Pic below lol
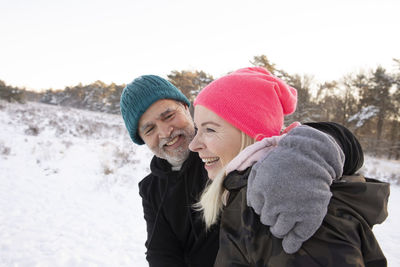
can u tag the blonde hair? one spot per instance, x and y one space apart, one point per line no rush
210 203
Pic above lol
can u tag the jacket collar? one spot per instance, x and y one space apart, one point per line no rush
236 179
162 168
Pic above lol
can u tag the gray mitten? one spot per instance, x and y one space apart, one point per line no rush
290 187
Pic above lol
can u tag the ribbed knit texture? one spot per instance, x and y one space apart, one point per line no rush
354 156
139 95
251 99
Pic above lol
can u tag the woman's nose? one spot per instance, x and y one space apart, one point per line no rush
196 144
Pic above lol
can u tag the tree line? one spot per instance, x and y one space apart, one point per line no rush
368 103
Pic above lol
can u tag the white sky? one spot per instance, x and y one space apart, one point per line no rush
57 43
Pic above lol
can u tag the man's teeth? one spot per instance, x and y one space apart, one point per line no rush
173 141
209 161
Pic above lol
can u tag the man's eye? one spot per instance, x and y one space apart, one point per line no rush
169 116
209 130
149 131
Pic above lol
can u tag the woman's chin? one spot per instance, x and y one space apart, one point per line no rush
213 172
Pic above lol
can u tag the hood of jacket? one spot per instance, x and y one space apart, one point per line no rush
363 196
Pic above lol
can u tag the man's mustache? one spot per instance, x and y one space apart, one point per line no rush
170 138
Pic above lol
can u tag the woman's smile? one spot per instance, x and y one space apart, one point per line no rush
216 141
210 161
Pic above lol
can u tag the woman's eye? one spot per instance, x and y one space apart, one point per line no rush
209 130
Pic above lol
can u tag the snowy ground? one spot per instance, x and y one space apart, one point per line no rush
69 196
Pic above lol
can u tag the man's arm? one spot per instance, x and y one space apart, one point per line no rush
290 187
163 247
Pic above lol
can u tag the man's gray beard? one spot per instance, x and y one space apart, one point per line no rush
179 155
179 159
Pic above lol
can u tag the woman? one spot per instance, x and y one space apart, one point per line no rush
247 105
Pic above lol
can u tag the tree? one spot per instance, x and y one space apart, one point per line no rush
378 104
262 61
306 109
189 82
364 113
328 101
113 97
378 95
350 103
10 93
395 133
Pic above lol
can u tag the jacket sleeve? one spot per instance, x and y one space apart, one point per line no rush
342 241
290 187
163 247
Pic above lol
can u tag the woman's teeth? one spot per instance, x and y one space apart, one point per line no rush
173 141
209 161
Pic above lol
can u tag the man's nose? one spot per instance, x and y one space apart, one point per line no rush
165 130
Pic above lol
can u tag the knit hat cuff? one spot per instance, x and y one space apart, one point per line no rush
246 123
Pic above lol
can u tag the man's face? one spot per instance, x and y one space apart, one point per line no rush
167 129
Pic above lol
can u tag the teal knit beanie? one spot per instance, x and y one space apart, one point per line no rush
139 95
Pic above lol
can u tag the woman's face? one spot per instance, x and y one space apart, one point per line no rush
216 140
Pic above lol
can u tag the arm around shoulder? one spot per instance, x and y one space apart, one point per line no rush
290 187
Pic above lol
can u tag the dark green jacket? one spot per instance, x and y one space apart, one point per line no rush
344 239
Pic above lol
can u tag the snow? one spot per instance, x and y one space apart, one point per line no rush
364 115
384 169
69 195
388 233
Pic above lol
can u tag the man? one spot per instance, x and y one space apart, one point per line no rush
157 114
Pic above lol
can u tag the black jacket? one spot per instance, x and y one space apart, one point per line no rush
345 237
176 235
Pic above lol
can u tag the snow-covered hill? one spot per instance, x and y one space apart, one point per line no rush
69 196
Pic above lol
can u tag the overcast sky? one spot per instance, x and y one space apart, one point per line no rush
57 43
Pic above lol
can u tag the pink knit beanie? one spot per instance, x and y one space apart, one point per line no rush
251 99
